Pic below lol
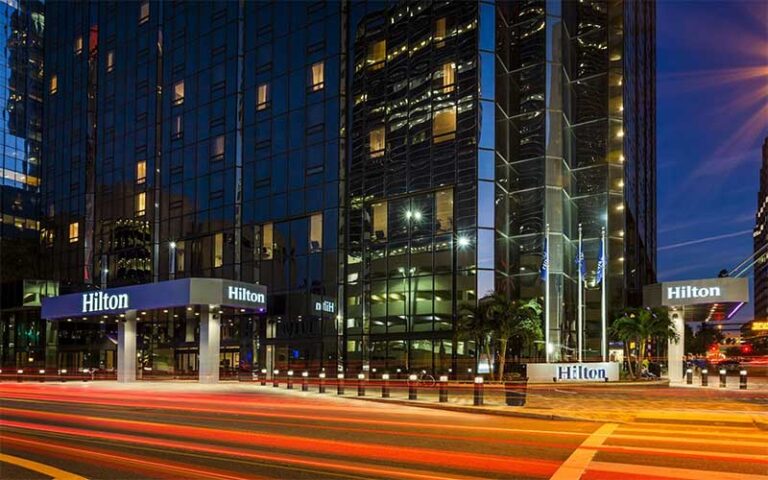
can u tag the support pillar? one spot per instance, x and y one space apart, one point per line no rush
210 343
126 348
676 351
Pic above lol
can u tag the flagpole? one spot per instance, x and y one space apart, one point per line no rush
580 326
603 322
546 298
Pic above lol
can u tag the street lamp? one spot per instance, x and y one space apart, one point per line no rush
172 260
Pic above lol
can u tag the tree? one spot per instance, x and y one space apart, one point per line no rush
641 325
474 324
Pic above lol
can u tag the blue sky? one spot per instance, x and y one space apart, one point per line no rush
712 97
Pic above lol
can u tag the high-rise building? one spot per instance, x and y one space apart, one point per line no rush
761 242
21 103
395 159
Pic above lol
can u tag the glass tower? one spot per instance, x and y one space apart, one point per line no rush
761 242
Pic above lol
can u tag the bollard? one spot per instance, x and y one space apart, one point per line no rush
478 396
19 374
743 380
321 383
360 384
63 374
289 380
413 394
42 375
385 385
723 374
275 381
340 384
304 384
85 374
263 377
704 377
689 376
1 374
443 389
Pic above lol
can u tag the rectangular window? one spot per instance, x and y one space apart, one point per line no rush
217 148
178 92
263 96
180 250
377 142
377 53
218 250
144 12
440 31
448 77
141 204
74 232
317 76
53 85
444 125
444 211
316 233
379 220
110 61
141 171
267 242
78 45
177 129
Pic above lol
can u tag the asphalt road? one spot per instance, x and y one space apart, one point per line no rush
190 431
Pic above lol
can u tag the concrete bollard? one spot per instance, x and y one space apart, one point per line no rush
413 393
689 376
360 384
19 375
304 384
42 375
385 385
321 383
275 380
289 380
443 389
263 379
723 376
340 384
478 394
704 377
743 380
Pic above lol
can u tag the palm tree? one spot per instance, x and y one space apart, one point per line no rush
474 323
641 325
514 320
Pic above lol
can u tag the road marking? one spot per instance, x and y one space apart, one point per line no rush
53 472
575 466
670 472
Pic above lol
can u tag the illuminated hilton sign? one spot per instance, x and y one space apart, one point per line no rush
242 294
688 291
99 301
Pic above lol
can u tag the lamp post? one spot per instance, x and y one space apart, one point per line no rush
172 260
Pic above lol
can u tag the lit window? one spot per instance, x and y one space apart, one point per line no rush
316 233
74 232
377 53
440 29
263 96
178 92
144 12
180 249
218 250
317 76
53 85
78 45
46 236
444 211
177 129
444 125
141 171
377 141
447 77
379 220
141 204
266 242
110 61
217 147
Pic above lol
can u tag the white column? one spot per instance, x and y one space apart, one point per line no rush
126 348
675 351
210 342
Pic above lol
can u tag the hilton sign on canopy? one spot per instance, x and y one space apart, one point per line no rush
696 292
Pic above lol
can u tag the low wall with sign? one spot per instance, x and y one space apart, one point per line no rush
573 372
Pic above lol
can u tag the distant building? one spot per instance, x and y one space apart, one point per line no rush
761 242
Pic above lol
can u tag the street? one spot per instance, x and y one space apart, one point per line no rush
184 430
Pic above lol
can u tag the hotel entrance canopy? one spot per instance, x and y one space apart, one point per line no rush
701 300
149 296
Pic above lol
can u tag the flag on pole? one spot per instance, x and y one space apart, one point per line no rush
601 263
580 263
545 261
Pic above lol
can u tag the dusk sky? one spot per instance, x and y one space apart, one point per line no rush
712 119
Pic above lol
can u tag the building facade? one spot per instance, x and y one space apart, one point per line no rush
761 242
389 161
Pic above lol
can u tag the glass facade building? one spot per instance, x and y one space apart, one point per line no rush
760 236
394 160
